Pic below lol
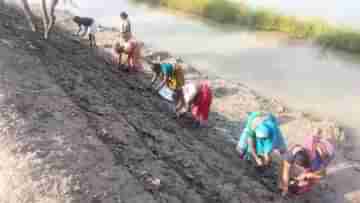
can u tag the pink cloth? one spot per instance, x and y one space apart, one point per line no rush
133 49
312 140
309 145
114 57
299 190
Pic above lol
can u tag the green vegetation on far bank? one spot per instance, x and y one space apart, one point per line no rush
224 11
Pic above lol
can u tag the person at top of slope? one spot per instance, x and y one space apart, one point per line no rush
89 28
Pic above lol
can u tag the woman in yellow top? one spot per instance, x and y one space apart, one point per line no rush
169 74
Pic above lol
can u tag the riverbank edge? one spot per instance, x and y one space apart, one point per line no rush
266 19
106 38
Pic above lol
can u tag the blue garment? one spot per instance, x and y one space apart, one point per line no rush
274 140
316 163
265 145
262 131
249 122
167 69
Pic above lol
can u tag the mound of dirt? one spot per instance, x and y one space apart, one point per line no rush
75 129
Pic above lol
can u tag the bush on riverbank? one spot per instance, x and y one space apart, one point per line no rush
224 11
345 39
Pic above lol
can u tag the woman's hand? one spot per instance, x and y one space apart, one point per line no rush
258 161
301 177
284 178
187 107
162 84
304 176
284 191
153 79
180 113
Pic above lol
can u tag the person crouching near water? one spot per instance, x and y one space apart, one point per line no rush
131 48
197 98
170 74
261 137
303 166
89 28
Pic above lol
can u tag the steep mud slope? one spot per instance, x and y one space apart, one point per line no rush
75 129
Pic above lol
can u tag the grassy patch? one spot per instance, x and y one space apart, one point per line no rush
341 38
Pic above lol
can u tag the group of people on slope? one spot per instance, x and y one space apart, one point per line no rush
193 97
128 45
302 166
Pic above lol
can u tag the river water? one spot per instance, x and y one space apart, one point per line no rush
300 74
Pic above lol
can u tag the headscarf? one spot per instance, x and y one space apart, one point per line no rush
326 146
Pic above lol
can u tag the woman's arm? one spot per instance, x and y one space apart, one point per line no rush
85 30
162 83
192 98
127 49
120 53
187 105
180 103
252 144
317 175
79 30
155 76
284 176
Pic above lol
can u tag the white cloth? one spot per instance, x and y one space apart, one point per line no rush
189 91
125 26
92 29
166 93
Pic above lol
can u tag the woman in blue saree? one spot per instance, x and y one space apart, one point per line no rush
260 137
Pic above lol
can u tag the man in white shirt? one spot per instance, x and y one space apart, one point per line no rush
125 28
89 26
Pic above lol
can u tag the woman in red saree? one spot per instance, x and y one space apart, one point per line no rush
198 98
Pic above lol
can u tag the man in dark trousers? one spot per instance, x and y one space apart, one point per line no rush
89 28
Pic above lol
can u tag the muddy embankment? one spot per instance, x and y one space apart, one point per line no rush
75 129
